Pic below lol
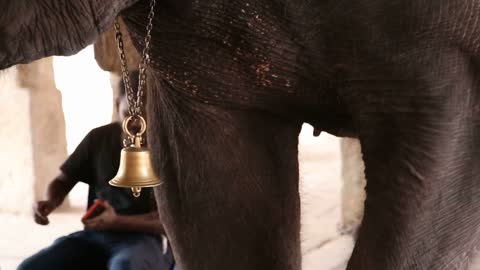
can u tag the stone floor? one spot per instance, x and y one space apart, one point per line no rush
323 247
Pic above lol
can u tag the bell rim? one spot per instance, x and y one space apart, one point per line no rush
115 184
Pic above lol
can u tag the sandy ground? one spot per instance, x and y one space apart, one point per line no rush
323 248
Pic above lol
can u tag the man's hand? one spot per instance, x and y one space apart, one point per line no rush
105 221
56 192
41 210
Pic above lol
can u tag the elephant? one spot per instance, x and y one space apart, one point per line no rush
230 84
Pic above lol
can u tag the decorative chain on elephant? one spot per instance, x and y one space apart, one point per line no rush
230 84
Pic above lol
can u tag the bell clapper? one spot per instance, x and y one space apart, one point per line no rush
136 191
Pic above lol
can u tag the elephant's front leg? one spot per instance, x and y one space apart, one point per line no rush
422 158
230 198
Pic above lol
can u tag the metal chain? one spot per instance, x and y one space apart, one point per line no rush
125 74
135 101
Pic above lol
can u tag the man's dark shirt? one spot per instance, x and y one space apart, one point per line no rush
95 162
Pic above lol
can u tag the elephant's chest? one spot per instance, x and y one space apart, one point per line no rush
242 56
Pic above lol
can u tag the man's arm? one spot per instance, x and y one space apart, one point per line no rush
59 189
149 223
110 220
56 192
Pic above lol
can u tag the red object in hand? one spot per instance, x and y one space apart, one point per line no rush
96 209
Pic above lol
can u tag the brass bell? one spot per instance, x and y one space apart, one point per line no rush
135 170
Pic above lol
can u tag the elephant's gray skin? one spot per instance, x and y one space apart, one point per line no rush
230 84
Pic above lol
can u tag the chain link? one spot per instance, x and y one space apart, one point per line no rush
135 101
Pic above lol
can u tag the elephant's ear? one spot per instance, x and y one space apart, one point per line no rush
30 30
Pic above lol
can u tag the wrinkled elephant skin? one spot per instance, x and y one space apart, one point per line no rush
230 84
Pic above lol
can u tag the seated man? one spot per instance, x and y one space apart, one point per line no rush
126 235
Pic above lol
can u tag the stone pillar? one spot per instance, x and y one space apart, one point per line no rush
32 137
353 189
16 158
47 122
115 81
